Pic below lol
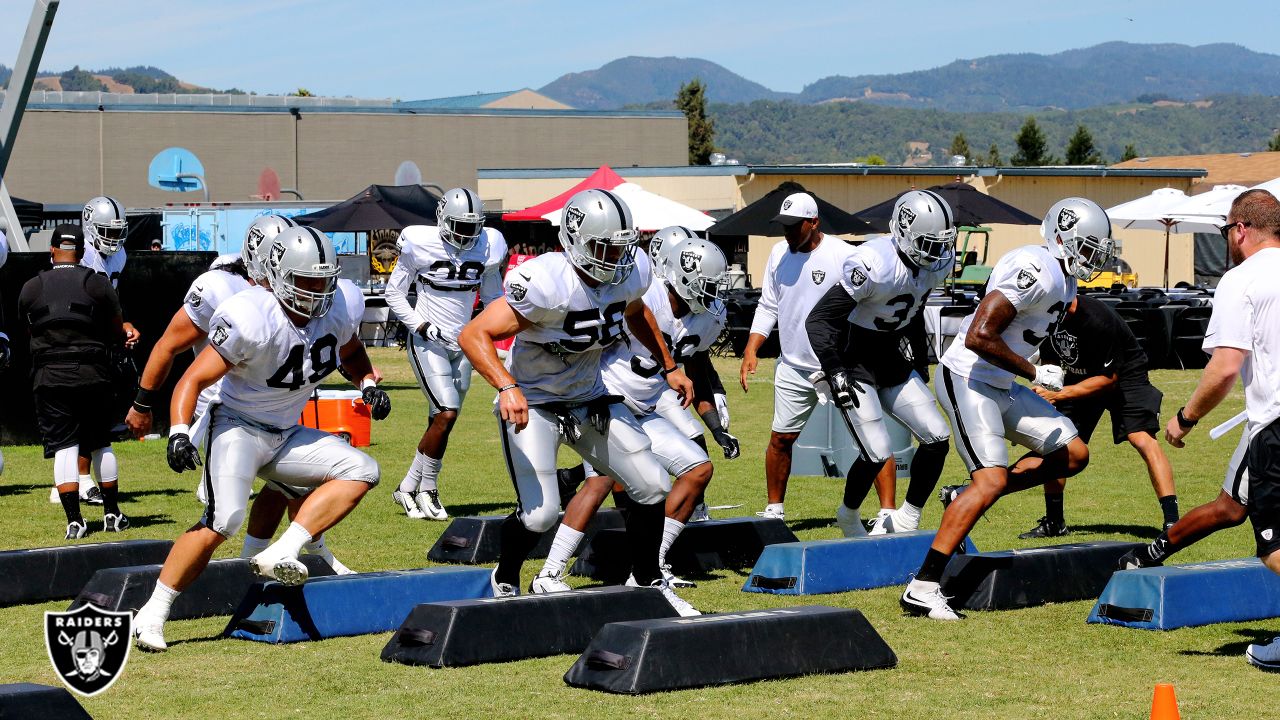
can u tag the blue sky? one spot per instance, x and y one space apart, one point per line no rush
409 49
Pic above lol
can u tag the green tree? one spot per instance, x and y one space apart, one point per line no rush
302 92
872 159
77 79
1080 149
1129 153
1274 145
959 146
993 156
1032 146
691 99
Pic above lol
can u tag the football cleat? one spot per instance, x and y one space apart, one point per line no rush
892 522
1264 657
849 522
1136 559
546 582
92 496
926 599
772 514
149 634
674 580
501 590
76 529
948 493
1046 528
700 513
288 571
679 604
115 522
406 503
428 502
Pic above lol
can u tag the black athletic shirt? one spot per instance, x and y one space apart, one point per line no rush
1095 340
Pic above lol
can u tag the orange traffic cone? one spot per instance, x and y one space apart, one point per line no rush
1164 706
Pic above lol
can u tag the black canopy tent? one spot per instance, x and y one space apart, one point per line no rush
757 218
377 207
970 206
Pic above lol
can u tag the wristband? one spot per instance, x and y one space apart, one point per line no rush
179 429
368 383
1183 422
505 388
145 399
667 371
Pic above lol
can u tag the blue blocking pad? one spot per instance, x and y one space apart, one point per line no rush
340 605
829 566
1165 598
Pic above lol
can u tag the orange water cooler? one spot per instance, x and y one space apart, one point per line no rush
340 412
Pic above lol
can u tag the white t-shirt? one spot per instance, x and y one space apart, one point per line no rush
793 284
446 278
1036 286
558 358
631 371
888 291
111 265
276 363
1246 316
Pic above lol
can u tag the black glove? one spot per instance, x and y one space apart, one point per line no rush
378 401
727 442
844 389
599 416
182 454
5 354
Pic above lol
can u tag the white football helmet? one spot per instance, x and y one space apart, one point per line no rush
1078 232
599 236
104 224
666 237
460 217
696 270
925 229
257 239
301 254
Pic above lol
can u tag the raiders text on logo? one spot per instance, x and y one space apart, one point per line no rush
1026 279
857 277
518 291
1067 219
220 335
818 276
573 217
690 261
1067 347
88 646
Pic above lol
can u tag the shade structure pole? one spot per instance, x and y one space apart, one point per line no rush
15 103
1166 255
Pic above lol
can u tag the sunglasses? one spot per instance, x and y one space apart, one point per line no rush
1226 229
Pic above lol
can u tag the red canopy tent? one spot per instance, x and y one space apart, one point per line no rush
602 179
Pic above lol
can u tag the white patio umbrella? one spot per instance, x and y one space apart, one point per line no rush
1210 207
1157 212
651 211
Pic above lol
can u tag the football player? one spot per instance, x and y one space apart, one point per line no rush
685 298
564 310
271 349
799 272
858 331
447 265
1027 295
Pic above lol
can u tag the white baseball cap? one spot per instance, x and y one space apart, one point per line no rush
798 206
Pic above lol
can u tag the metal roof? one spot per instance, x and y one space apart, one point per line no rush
634 171
1052 171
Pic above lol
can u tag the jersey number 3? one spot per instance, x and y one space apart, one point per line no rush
324 360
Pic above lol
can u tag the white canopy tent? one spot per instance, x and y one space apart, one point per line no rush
651 211
1210 207
1158 211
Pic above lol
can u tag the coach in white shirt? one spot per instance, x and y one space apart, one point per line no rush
1244 337
800 270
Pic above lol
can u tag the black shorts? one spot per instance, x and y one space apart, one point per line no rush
1134 407
1263 459
67 416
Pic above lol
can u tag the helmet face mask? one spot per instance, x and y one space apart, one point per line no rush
460 218
697 272
1078 232
105 225
598 236
924 229
303 270
257 240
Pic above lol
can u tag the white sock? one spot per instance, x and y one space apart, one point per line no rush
161 601
670 531
562 547
882 512
86 484
253 545
430 477
910 512
410 481
103 461
774 507
317 547
290 542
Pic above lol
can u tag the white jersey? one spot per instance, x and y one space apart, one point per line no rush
1246 316
889 292
445 277
352 296
1033 281
111 265
206 295
793 284
277 364
631 371
558 359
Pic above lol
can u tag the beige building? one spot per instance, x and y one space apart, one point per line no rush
1248 169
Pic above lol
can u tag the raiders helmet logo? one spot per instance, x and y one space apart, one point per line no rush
690 261
87 215
518 291
857 277
906 218
573 217
786 204
1026 279
219 335
1067 219
277 254
88 646
818 276
254 239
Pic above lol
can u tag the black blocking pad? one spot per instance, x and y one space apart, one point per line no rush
58 573
1010 579
218 590
702 546
28 700
470 632
475 540
654 655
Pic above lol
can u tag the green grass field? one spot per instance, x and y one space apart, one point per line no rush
1037 663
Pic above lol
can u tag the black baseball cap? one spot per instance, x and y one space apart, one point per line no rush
67 237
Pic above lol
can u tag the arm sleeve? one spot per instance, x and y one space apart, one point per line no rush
917 338
398 288
828 327
700 371
766 316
